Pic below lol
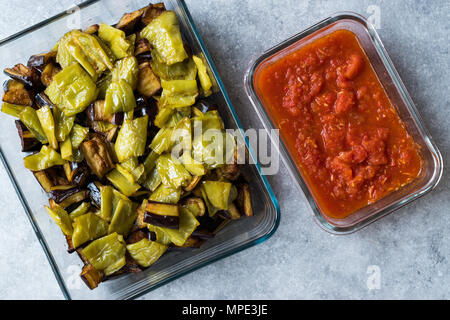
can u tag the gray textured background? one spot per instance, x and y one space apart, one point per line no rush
410 247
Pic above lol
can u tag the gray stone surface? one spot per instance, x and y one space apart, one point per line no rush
410 247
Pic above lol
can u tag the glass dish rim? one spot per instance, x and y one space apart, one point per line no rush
400 87
267 186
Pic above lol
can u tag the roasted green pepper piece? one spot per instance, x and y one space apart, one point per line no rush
63 124
172 172
134 168
78 135
214 148
72 90
218 193
166 194
164 35
106 202
106 254
103 85
188 224
116 40
146 252
185 70
205 81
66 149
210 120
30 119
61 218
163 116
45 159
161 237
119 97
149 164
178 93
131 139
88 227
95 52
48 125
153 181
126 69
87 50
12 109
80 210
123 218
194 167
162 141
122 183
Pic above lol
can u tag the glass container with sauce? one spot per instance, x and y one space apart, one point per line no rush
350 134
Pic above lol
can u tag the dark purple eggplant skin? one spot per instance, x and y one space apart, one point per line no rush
170 222
203 234
117 118
90 112
30 77
140 234
42 100
94 193
29 144
81 172
144 57
39 61
60 195
209 223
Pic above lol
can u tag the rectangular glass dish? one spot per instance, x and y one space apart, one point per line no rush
66 267
396 92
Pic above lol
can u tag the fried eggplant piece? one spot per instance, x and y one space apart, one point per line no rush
138 235
195 205
93 29
193 184
129 21
142 46
27 139
228 172
98 157
76 172
70 247
139 223
48 73
244 201
96 112
23 74
151 12
43 100
191 243
15 93
51 178
148 83
95 193
91 276
39 61
162 215
62 194
73 199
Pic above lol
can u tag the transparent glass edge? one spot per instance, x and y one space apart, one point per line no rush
388 64
215 73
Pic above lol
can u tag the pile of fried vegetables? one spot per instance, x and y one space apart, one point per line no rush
101 115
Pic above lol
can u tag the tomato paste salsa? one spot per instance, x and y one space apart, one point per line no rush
338 124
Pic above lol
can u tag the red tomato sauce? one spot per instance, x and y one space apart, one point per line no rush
338 124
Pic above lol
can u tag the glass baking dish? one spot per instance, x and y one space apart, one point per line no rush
369 40
66 267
